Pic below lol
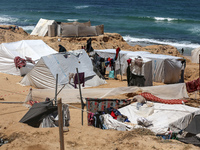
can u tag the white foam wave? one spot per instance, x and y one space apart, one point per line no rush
181 44
195 30
7 19
72 20
81 7
26 28
164 19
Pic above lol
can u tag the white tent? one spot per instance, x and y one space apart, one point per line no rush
34 49
43 75
41 29
195 55
165 68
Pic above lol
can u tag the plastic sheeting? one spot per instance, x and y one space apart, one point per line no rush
34 49
173 91
164 118
43 75
195 55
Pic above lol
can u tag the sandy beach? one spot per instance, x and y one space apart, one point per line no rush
22 136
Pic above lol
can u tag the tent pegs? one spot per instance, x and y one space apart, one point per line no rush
82 104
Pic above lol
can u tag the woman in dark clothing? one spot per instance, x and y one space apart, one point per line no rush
61 49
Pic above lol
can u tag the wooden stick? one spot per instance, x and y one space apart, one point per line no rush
60 122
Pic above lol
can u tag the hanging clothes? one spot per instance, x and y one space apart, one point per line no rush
81 79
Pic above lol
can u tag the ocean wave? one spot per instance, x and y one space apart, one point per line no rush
7 19
72 20
164 19
177 44
195 30
27 28
82 7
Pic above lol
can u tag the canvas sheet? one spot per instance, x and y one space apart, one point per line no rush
164 117
174 91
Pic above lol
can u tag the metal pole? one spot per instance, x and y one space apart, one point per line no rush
60 121
56 89
120 67
79 86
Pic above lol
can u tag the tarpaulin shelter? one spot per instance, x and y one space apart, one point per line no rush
34 49
43 75
37 113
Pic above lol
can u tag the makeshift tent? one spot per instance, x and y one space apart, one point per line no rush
41 29
37 113
165 118
34 49
195 55
43 75
165 68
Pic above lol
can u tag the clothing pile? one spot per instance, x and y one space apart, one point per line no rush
100 119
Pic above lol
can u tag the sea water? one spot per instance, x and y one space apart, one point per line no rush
142 22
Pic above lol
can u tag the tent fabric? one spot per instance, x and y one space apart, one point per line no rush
41 29
165 117
69 30
34 49
43 75
77 23
171 91
195 55
194 126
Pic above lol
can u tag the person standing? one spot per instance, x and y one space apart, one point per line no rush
183 62
182 51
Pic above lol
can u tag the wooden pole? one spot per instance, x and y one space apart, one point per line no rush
56 89
60 122
79 86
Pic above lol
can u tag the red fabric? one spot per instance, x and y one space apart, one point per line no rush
117 52
193 85
129 61
30 102
113 115
19 62
150 97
